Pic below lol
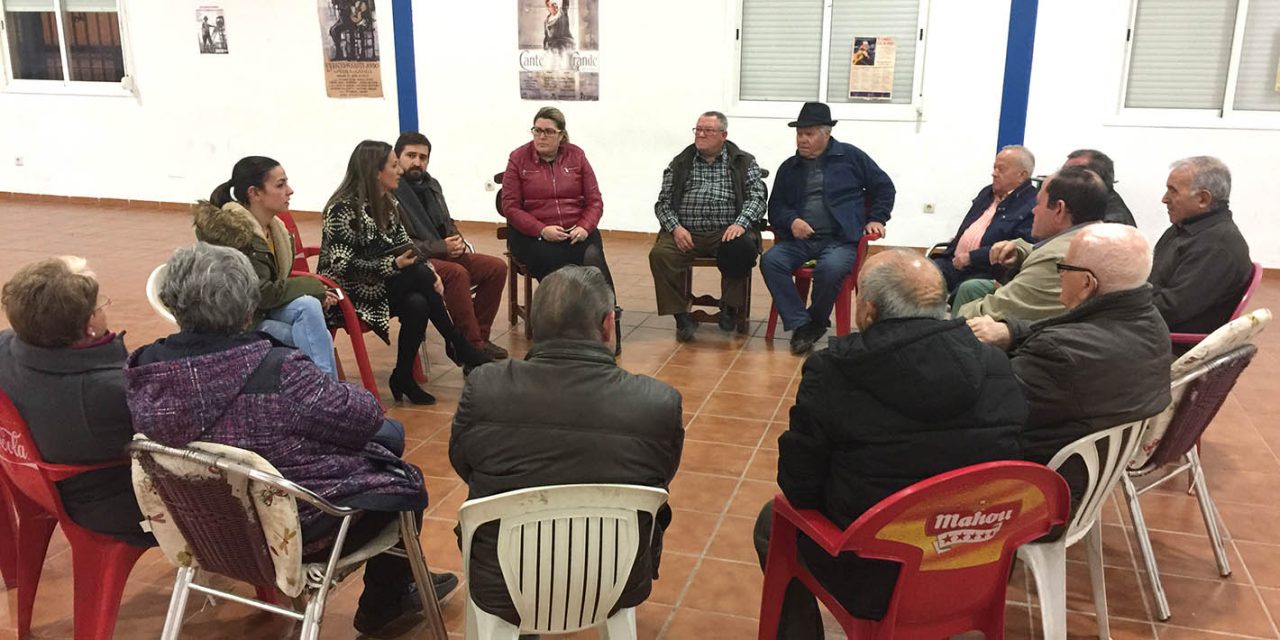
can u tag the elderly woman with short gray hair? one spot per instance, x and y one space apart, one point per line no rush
214 381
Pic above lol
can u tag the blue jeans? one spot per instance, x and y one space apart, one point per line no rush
391 436
301 324
835 259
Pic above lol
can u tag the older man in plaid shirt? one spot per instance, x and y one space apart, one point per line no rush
710 205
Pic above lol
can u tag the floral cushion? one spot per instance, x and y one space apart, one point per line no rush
276 511
1229 336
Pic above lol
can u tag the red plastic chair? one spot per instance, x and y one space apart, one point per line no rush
8 538
1192 339
955 536
844 300
351 322
100 565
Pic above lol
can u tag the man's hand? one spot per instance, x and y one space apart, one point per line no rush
801 229
553 233
455 246
684 239
733 232
1004 252
874 228
960 261
991 331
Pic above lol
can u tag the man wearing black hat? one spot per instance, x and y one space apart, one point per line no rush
824 198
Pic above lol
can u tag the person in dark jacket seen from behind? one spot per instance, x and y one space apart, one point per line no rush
213 382
1101 164
565 414
911 396
63 369
1104 362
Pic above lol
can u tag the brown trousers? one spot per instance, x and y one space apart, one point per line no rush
669 265
486 276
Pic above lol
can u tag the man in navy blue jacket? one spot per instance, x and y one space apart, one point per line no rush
824 198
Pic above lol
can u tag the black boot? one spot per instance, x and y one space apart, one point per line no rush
463 354
403 384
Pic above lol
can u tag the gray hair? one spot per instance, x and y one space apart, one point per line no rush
1025 157
1118 255
904 284
825 128
1210 174
570 304
724 120
210 289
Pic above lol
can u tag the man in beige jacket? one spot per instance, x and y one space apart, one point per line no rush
1068 200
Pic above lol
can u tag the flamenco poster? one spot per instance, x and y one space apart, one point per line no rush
559 49
349 35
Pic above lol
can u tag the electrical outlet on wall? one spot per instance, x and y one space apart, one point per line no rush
928 207
17 162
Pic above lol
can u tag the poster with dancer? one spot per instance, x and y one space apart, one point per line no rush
349 38
559 49
211 29
871 67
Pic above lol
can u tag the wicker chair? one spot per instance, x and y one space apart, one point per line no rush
228 511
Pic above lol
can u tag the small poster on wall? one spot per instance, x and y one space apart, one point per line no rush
871 67
349 37
559 42
212 29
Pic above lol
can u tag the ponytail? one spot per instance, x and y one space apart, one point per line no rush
221 195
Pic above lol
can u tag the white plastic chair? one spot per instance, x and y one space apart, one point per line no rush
153 294
1105 455
539 531
1201 380
228 511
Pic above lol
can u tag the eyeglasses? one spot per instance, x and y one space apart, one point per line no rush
700 131
544 132
103 305
1062 266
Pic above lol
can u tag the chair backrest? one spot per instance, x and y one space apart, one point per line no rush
1255 278
1189 368
956 535
1105 455
27 473
543 530
208 508
153 293
299 250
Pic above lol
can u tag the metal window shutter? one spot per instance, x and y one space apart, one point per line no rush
1180 54
1256 82
781 49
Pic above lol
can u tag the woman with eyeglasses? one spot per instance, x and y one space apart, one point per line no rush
552 202
63 369
366 249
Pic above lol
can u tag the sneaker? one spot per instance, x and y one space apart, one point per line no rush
401 616
728 318
804 338
686 326
494 351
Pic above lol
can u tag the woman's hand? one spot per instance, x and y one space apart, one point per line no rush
577 234
438 285
406 259
330 299
554 233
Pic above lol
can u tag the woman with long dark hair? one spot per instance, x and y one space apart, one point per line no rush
241 214
367 250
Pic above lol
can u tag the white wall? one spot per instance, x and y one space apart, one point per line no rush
1075 83
197 114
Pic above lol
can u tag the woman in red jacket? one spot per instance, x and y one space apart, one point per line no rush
552 201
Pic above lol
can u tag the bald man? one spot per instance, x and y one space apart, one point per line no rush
1101 364
862 428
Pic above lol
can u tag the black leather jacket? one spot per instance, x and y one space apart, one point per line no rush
565 414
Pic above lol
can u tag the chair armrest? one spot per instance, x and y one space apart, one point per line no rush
310 251
937 249
350 319
315 276
60 472
812 523
1187 338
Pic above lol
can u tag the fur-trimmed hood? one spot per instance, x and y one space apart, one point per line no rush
232 225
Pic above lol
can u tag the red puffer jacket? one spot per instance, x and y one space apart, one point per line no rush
536 194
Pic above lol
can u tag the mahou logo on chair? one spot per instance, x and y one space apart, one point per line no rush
953 527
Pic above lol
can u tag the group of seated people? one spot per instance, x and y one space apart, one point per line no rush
1075 342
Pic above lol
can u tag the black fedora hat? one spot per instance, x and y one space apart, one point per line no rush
813 114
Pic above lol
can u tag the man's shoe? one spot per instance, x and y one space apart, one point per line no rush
494 351
686 326
804 338
728 318
397 618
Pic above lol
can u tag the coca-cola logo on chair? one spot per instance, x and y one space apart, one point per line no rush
12 445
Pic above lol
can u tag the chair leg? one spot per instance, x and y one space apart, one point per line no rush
419 374
1098 578
1144 545
34 531
177 604
99 572
528 304
513 299
1048 564
421 574
844 300
773 322
744 314
620 626
362 362
8 544
1209 512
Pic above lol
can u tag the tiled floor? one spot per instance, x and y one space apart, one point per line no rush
737 392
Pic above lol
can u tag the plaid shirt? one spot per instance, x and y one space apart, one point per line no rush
708 202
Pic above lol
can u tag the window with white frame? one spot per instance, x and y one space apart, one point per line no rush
1204 55
63 40
802 50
